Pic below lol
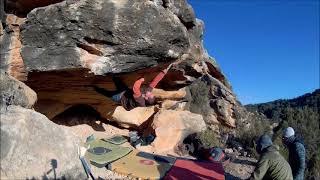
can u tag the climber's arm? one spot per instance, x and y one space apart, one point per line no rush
159 77
136 88
137 92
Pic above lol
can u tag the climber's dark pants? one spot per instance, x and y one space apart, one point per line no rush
114 95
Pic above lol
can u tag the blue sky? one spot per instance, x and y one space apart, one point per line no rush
268 50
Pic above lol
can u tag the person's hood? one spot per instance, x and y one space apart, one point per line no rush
289 140
272 148
263 142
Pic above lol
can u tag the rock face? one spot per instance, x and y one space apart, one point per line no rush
110 36
14 92
171 127
85 43
134 117
222 101
103 36
10 57
61 48
210 97
34 147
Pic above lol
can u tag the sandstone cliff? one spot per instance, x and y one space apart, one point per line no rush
61 48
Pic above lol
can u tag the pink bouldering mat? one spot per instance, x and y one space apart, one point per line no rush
188 169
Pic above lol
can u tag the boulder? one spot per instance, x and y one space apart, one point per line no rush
103 36
173 105
171 128
14 92
212 119
34 147
220 101
61 49
224 111
133 118
182 10
172 95
10 57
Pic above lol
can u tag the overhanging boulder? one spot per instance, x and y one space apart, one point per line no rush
34 147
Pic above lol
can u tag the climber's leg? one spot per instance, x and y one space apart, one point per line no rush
114 95
119 84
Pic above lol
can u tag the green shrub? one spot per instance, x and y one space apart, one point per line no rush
248 135
199 100
209 138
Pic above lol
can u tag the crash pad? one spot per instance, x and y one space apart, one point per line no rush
117 139
190 169
100 152
143 165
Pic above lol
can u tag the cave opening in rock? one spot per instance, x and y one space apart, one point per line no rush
60 90
22 7
80 114
67 97
84 114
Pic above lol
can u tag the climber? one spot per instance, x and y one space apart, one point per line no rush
271 164
297 152
137 96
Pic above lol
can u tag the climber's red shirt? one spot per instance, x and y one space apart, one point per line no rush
157 79
137 87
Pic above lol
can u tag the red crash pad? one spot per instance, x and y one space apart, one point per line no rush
188 169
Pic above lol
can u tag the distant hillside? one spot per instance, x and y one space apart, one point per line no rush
273 109
303 114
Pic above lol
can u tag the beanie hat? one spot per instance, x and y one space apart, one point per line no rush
288 132
263 142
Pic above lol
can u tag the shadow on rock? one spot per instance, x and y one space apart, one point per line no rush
54 165
80 114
